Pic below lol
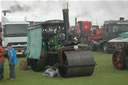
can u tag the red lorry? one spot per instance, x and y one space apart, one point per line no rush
96 33
88 32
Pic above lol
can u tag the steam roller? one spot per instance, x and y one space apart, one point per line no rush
76 62
50 43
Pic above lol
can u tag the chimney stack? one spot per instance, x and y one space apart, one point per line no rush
5 12
75 20
66 20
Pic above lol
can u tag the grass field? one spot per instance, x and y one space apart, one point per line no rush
104 74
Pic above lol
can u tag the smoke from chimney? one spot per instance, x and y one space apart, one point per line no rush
84 10
17 7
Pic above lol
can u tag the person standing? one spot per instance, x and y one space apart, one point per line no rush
12 59
1 61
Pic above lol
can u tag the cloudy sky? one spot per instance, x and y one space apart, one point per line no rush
96 11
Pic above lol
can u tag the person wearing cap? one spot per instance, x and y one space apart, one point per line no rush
1 61
12 59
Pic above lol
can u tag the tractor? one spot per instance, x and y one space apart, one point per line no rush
49 43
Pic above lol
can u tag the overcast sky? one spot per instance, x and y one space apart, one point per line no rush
92 10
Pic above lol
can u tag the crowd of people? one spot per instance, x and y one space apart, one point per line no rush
12 60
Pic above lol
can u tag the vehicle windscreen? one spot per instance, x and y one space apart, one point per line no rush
15 29
120 28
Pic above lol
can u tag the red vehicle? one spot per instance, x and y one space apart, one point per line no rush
84 30
96 33
83 27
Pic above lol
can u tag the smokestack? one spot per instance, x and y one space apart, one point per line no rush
5 12
66 19
67 5
75 20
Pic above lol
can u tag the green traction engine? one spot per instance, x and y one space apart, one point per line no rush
49 43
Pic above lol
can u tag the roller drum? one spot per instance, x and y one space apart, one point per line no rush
77 63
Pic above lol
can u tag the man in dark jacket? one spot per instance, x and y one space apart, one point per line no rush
12 58
1 61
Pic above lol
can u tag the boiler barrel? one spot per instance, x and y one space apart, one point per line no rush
77 63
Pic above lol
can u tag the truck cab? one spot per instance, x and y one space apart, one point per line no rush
113 28
15 33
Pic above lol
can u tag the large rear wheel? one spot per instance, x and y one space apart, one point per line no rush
37 64
118 60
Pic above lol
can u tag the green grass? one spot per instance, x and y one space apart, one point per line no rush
104 74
